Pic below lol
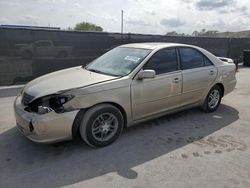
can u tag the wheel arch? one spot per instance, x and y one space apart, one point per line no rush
80 114
222 88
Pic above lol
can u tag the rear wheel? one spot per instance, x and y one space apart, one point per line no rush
101 125
213 99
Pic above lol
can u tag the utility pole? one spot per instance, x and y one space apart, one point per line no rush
122 22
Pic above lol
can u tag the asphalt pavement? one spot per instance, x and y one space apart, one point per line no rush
186 149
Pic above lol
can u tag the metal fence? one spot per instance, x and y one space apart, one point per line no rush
28 53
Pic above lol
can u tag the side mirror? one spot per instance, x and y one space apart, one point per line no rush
146 74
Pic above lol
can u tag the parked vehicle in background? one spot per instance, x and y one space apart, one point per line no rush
127 85
43 48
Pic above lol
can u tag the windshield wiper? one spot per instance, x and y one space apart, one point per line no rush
94 70
100 72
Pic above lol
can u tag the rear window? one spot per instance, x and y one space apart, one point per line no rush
192 58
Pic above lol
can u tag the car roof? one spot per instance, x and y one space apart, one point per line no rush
153 45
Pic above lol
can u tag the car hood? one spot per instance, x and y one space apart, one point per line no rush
64 80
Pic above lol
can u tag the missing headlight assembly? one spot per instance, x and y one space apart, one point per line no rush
49 103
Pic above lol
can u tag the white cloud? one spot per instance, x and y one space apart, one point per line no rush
9 3
136 21
150 12
28 20
172 22
90 13
4 21
214 4
140 16
77 5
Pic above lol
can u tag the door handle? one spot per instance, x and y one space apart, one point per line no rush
211 72
176 80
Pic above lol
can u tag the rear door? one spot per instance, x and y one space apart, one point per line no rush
154 95
198 74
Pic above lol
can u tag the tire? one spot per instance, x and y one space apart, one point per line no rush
101 125
208 105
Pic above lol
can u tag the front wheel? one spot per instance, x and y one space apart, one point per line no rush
213 99
101 125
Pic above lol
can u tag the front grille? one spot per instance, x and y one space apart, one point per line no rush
26 98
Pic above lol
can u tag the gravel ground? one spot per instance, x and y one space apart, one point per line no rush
186 149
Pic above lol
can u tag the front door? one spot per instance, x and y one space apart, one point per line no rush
155 95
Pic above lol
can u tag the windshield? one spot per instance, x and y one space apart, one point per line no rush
118 62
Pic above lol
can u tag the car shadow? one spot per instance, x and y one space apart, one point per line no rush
26 164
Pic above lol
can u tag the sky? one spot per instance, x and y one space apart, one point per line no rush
140 16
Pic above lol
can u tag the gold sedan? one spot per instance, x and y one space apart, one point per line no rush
127 85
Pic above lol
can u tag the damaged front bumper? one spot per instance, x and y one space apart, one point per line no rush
46 128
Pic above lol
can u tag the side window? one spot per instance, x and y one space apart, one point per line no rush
207 62
191 58
163 61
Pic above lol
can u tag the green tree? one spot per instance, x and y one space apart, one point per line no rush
205 33
174 33
195 33
86 26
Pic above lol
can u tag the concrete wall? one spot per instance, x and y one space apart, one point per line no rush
22 57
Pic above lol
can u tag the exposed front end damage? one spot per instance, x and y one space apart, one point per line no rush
45 120
47 107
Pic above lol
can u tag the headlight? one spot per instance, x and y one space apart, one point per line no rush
49 103
43 109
